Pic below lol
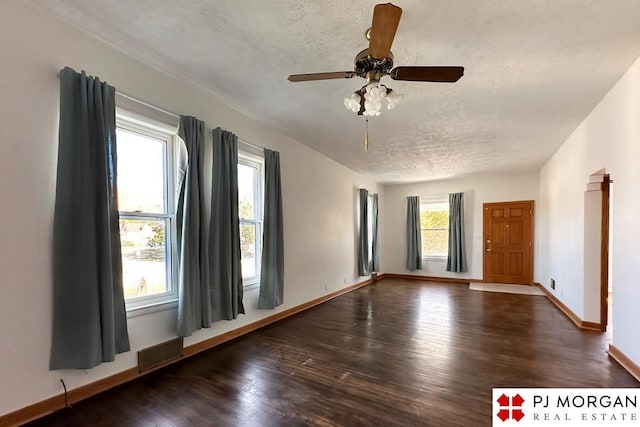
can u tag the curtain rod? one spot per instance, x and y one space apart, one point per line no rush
242 141
162 110
146 104
251 145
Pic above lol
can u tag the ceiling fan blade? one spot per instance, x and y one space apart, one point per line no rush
427 74
386 18
321 76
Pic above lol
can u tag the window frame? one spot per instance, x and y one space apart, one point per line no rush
148 127
257 162
433 201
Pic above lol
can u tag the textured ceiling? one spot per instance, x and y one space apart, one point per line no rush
533 71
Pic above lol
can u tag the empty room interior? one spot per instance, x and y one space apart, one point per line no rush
314 213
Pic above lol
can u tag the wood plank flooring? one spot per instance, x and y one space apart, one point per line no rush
396 353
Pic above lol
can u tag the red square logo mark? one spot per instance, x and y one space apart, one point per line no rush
510 407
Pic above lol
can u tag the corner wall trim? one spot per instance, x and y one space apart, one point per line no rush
55 403
430 278
624 361
615 353
591 326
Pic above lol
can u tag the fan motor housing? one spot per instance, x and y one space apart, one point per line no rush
364 63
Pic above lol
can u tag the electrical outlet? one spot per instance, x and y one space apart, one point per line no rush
553 284
345 281
326 286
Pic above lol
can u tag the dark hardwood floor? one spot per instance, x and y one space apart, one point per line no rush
397 353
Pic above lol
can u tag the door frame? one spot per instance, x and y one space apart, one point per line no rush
533 234
604 252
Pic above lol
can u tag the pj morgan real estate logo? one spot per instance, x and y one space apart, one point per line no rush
567 407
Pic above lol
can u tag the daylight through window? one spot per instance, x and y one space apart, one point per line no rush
434 224
250 212
145 199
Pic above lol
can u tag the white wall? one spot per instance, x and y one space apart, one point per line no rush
592 251
478 189
609 138
319 198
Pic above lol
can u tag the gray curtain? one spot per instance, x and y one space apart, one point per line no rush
457 258
225 278
375 262
89 316
363 234
194 306
414 239
272 265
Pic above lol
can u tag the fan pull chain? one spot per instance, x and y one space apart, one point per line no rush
366 135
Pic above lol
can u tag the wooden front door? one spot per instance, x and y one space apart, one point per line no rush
508 242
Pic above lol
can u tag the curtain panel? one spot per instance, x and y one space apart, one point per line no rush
363 233
272 264
194 305
414 238
225 280
89 315
457 257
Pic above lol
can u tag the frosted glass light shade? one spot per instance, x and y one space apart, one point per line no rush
353 102
373 94
373 99
393 99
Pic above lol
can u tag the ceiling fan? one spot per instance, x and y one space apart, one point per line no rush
377 61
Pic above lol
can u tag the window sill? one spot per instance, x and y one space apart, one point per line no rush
141 310
435 258
254 284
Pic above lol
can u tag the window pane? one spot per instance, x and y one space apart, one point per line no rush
435 242
140 172
434 219
248 249
434 222
247 180
144 256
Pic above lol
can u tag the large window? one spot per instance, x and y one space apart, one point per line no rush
250 211
146 178
434 225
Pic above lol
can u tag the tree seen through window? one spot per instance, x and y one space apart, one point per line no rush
434 224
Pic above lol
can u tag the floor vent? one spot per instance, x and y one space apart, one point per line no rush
160 354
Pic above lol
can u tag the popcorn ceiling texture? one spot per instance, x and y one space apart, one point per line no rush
533 71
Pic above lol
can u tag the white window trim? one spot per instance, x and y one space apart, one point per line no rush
134 122
151 308
257 162
441 200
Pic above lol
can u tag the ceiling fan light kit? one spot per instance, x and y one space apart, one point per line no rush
368 100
